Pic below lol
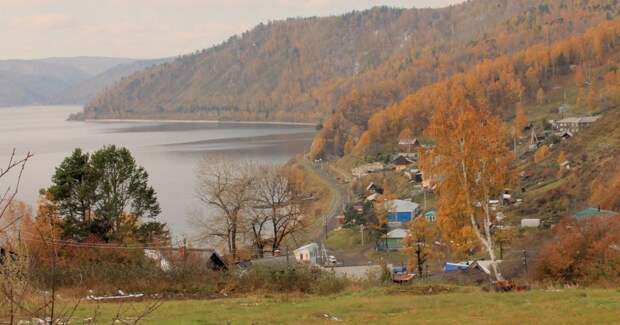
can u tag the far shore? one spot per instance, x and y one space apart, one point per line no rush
196 121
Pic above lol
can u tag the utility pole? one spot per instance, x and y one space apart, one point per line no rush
325 223
362 234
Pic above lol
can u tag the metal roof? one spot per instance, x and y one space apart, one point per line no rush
401 206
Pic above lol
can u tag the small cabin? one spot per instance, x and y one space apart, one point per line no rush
307 254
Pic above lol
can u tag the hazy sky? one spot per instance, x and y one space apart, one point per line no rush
149 28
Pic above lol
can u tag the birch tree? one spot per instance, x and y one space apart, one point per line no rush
472 164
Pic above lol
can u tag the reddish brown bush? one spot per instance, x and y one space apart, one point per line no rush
582 251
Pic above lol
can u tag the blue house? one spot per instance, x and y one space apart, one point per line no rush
400 211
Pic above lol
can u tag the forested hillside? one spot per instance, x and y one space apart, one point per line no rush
577 76
351 65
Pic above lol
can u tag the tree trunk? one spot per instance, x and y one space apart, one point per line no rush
487 242
418 253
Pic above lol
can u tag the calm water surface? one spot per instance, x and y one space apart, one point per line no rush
170 152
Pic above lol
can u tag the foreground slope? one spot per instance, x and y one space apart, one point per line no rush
403 305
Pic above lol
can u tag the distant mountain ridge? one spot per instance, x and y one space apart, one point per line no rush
73 80
84 91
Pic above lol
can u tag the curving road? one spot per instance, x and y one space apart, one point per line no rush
341 195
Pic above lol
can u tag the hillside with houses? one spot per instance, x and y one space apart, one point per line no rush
455 165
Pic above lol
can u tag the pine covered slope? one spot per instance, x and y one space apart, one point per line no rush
351 65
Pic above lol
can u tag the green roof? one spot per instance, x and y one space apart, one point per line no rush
593 212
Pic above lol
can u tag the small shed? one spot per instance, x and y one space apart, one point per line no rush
483 265
451 267
307 254
530 223
374 188
394 239
431 216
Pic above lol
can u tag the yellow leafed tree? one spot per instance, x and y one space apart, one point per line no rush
541 154
473 166
419 244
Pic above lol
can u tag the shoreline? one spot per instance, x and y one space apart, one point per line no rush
196 122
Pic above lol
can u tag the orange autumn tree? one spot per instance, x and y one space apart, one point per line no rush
541 154
473 165
317 148
405 134
605 191
419 244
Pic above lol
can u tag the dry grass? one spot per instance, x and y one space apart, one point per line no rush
389 306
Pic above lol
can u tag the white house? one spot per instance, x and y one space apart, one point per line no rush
307 254
574 124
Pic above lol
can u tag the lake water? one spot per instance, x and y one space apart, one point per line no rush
170 152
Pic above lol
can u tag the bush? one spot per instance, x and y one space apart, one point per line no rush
583 252
302 279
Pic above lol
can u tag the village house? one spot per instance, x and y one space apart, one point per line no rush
374 188
401 211
409 144
574 124
308 253
431 216
372 197
393 240
401 162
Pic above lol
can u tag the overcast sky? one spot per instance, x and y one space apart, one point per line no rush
150 28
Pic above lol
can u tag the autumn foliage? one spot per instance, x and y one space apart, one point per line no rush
541 154
606 192
582 251
473 165
501 84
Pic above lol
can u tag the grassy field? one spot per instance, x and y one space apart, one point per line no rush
393 306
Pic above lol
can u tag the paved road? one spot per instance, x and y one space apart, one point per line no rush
341 195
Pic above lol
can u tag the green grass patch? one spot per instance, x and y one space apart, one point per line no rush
387 306
546 186
344 238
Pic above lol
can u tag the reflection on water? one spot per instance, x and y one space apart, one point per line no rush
169 151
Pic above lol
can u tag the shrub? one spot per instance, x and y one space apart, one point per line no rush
302 279
582 251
